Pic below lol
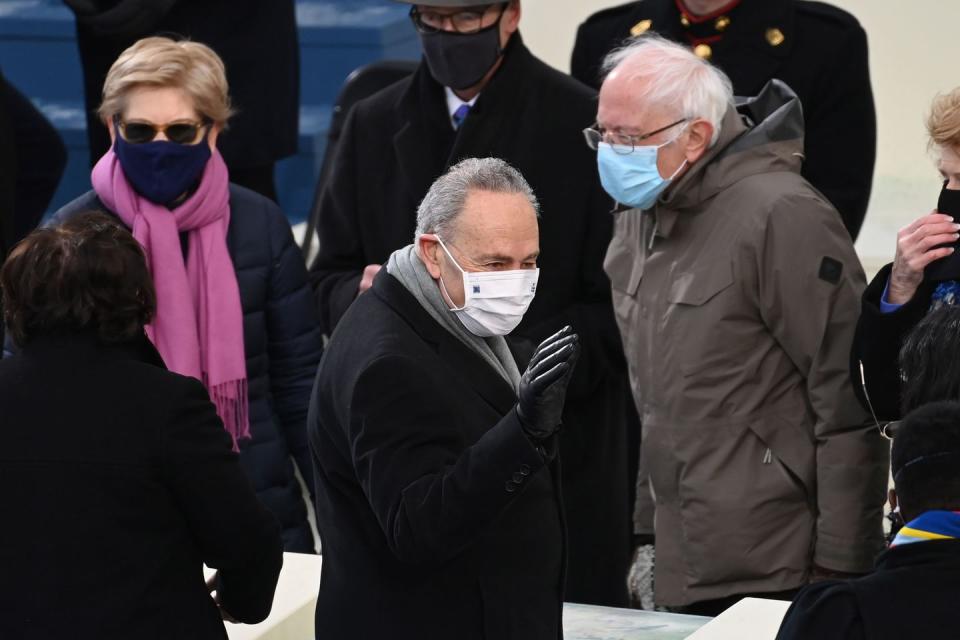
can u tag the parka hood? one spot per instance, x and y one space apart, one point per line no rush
762 134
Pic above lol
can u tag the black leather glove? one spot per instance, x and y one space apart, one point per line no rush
543 386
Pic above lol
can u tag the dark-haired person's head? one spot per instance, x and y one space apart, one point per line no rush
926 460
87 275
930 360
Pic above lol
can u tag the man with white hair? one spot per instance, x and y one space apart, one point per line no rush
736 290
437 487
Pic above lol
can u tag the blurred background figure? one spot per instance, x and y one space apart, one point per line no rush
924 274
234 306
264 80
820 51
32 159
912 592
480 92
118 480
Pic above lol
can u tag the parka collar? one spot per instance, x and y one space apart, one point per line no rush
762 134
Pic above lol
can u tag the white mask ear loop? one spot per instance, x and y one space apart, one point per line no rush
682 164
443 287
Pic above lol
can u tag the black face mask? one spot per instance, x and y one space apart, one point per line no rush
459 60
947 268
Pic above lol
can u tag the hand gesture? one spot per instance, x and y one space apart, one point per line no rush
915 250
543 386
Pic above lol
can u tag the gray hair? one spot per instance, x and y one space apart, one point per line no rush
674 77
444 203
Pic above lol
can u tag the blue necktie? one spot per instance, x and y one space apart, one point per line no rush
460 115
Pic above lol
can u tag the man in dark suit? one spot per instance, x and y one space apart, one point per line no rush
479 92
117 478
820 51
437 491
264 80
913 591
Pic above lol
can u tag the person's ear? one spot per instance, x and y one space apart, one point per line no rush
510 21
429 250
111 129
699 134
215 130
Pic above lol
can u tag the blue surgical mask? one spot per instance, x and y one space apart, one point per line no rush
162 171
632 178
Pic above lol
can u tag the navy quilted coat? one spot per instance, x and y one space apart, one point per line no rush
283 345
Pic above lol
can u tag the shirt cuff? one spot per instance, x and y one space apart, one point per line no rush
887 307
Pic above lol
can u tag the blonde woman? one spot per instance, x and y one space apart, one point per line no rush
924 274
233 306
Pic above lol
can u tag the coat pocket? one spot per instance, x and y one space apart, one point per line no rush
697 287
745 514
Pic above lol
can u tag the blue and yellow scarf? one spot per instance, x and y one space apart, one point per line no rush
930 525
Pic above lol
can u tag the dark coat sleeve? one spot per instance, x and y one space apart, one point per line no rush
294 340
431 495
235 534
841 141
824 610
336 272
877 345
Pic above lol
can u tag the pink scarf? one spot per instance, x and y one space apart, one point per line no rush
199 324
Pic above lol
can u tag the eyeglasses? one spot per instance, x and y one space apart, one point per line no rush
463 22
624 145
136 132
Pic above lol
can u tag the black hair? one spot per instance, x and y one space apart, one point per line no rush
926 459
930 360
88 273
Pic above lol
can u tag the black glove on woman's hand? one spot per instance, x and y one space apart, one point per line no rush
543 387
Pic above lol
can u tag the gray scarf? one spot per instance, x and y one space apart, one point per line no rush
406 266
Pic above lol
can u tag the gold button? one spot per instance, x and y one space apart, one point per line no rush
641 27
703 51
684 21
775 37
722 23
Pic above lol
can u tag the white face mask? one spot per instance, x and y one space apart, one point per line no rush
494 301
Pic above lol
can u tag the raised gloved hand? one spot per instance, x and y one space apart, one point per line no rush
543 386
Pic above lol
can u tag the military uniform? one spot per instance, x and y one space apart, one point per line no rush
817 49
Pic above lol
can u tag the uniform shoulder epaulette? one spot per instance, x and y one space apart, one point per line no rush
612 13
829 12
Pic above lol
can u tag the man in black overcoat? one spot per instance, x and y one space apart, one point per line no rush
438 498
257 40
398 141
820 51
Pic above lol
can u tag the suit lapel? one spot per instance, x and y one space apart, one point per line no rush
477 373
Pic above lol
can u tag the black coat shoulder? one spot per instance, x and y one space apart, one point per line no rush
827 14
612 16
825 610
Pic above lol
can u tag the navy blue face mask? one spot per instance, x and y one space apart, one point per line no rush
162 171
